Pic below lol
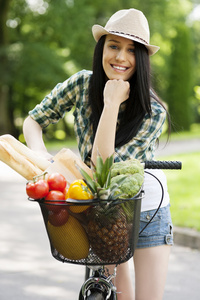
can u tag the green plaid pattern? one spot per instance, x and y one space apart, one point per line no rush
73 94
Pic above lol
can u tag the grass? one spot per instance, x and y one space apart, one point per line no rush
184 191
183 135
58 145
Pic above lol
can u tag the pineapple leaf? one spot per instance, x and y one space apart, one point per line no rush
86 189
100 182
108 180
115 193
106 170
115 189
95 176
99 170
111 160
91 184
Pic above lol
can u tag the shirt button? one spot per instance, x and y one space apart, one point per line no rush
148 217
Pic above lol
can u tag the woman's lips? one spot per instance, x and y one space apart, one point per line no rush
119 68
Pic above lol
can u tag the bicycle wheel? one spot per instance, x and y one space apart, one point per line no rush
87 273
96 295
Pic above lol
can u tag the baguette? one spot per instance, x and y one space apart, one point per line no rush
28 164
65 162
26 152
17 161
69 159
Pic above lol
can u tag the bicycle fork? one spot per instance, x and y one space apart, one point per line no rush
99 283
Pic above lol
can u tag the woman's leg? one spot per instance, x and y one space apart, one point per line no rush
150 260
151 265
123 282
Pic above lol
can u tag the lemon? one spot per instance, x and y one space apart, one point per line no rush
70 240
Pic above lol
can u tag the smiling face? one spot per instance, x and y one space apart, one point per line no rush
118 57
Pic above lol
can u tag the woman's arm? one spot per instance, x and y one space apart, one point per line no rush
33 137
115 92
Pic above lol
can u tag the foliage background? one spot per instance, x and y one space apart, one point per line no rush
42 42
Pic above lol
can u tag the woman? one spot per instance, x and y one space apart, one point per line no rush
117 111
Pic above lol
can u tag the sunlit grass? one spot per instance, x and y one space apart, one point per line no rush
183 135
184 190
59 144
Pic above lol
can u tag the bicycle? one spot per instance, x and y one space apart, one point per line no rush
98 282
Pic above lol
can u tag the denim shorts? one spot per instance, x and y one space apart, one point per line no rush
159 230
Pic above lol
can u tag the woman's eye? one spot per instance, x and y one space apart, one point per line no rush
132 50
113 47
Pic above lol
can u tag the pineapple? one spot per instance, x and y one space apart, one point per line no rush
107 225
108 233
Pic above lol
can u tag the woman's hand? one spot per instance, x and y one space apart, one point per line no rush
116 91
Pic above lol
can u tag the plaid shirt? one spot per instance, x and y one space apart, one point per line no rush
73 93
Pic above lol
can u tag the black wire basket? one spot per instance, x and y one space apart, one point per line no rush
92 232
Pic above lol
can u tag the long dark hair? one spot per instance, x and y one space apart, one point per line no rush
137 105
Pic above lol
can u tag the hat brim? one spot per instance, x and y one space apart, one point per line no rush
98 31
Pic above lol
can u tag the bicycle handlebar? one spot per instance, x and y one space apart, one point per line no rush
149 164
153 164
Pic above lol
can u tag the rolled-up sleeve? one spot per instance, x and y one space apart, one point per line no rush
54 105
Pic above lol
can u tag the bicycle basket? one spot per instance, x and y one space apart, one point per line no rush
93 232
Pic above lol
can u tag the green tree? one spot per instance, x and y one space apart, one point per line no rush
5 92
43 44
180 71
32 62
196 74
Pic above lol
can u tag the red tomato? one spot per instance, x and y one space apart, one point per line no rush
38 189
65 193
60 218
54 197
57 182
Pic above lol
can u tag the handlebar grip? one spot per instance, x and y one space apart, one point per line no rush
173 165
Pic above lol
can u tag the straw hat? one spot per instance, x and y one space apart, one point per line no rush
128 23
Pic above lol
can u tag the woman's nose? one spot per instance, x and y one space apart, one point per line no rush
121 55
